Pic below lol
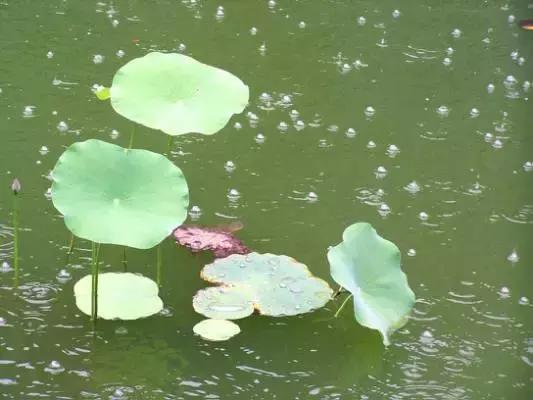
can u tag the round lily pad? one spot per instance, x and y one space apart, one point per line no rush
177 94
123 296
223 302
216 329
109 194
278 285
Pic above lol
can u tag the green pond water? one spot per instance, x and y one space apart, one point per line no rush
445 90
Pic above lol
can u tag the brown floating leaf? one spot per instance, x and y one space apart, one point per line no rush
220 240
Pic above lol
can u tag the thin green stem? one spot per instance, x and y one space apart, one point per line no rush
337 292
169 143
159 262
94 286
70 247
342 306
15 241
132 136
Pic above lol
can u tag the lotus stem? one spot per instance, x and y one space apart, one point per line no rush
342 306
70 247
337 292
158 267
94 286
124 260
15 239
169 143
132 136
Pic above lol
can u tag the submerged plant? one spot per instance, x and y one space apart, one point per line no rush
16 188
275 285
121 295
368 266
176 94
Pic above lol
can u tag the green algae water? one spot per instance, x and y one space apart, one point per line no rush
413 116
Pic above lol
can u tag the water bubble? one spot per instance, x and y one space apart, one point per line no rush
371 145
118 393
380 172
511 18
182 47
504 292
237 125
120 53
5 267
497 144
63 276
253 30
229 166
115 23
384 210
474 112
490 88
98 59
426 335
286 99
456 33
370 111
54 368
526 86
423 216
265 97
219 15
50 54
513 257
361 21
271 3
260 138
346 67
195 212
3 321
350 132
114 134
488 137
528 166
28 111
283 126
301 25
294 114
312 197
510 82
523 301
411 252
333 128
514 55
412 187
396 14
393 150
62 126
43 150
299 125
443 111
233 195
450 51
121 330
447 61
262 49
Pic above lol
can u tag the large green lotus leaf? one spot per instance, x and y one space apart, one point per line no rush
223 302
216 329
121 295
177 94
369 267
278 285
109 194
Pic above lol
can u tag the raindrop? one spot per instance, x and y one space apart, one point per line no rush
98 59
411 252
271 3
28 111
450 51
63 276
361 21
447 61
260 138
371 145
182 47
283 126
528 166
370 111
490 88
497 144
474 112
443 111
118 393
351 133
114 134
237 125
504 292
299 125
358 64
43 150
346 67
511 18
195 212
514 55
262 49
423 216
301 25
121 330
115 23
380 172
3 322
384 210
253 30
294 114
120 53
62 126
54 368
396 14
393 150
523 301
412 187
526 85
488 137
427 335
233 195
456 33
5 267
229 166
333 128
513 257
286 99
312 197
50 54
510 81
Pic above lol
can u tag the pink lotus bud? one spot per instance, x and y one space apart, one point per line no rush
15 186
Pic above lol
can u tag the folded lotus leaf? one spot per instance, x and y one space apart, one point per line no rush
221 242
109 194
278 285
223 302
216 329
177 94
369 267
121 295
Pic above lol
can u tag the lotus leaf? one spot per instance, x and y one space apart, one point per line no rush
177 94
109 194
223 302
122 295
216 329
369 267
221 242
278 285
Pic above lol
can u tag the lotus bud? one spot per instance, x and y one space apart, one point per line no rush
15 186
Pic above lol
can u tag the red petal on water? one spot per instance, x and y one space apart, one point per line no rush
217 240
527 24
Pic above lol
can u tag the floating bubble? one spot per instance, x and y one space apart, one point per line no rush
450 51
474 112
50 54
447 61
115 23
299 125
513 257
510 82
371 145
3 321
370 111
333 128
393 150
411 252
528 166
423 216
294 114
54 368
120 53
488 137
490 88
361 21
229 166
259 138
350 132
412 187
523 301
233 195
312 197
456 33
237 125
283 126
262 49
511 18
271 3
358 64
384 210
497 144
443 111
63 276
301 25
195 212
43 150
521 61
396 14
253 31
121 330
28 111
98 59
5 267
182 47
526 86
62 126
504 292
114 134
219 15
381 172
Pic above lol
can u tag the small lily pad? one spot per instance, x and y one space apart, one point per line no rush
221 242
277 285
177 94
124 296
216 330
223 302
368 266
109 194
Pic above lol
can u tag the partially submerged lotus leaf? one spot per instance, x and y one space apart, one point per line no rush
122 295
109 194
369 267
177 94
278 285
216 329
218 240
223 302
